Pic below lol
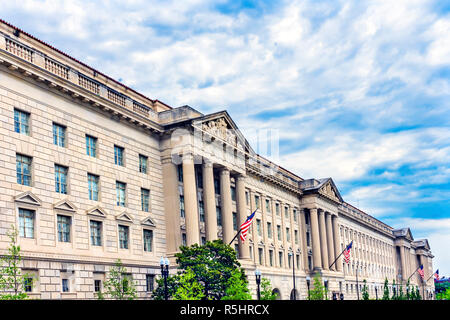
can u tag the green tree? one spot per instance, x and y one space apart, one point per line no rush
443 295
418 296
188 288
386 290
119 286
365 292
394 291
237 287
12 281
266 290
318 292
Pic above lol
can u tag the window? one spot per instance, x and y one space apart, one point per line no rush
182 212
97 285
219 216
280 257
268 205
288 235
93 186
233 193
183 239
123 237
59 135
260 255
257 202
286 212
258 226
23 168
120 193
26 223
96 233
91 146
180 172
199 176
65 285
216 185
294 213
149 281
63 228
308 239
277 209
279 233
269 230
21 122
235 224
148 240
28 284
201 210
145 196
247 198
61 179
296 236
271 258
118 155
143 163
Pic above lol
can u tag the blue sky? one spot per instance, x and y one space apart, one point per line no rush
356 90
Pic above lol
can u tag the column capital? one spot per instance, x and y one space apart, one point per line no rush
207 163
224 171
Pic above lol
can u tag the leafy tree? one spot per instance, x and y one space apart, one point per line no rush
172 286
212 264
188 288
237 287
418 296
365 292
443 295
266 290
386 290
394 289
119 286
12 281
318 292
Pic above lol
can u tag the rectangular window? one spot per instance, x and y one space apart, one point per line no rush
180 172
269 230
22 122
288 235
271 258
120 193
61 179
268 205
64 228
201 210
280 257
93 186
65 285
216 185
286 212
96 233
257 202
233 193
23 168
308 239
123 237
97 285
235 223
260 255
149 281
296 236
258 226
279 233
219 216
183 239
247 198
26 223
143 160
59 135
182 212
277 209
294 213
145 200
199 176
91 146
28 284
118 155
148 240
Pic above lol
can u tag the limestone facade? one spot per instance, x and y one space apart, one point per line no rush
133 179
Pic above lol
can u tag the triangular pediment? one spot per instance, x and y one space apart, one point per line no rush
220 126
28 198
148 222
65 205
330 190
125 217
97 211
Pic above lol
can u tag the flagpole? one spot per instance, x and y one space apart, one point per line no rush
235 236
338 256
413 273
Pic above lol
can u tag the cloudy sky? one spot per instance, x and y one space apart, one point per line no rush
354 90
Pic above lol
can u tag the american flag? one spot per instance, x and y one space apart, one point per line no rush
420 270
246 225
436 274
347 252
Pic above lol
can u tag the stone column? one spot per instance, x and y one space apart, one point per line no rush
283 235
330 240
323 240
227 209
402 262
264 231
190 201
209 200
244 251
317 259
302 230
171 205
337 247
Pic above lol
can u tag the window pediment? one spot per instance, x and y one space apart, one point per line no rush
148 222
28 198
65 205
97 211
124 217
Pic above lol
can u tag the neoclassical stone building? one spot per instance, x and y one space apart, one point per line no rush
93 171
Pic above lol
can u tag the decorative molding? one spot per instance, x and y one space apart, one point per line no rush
65 205
148 221
125 217
28 198
97 211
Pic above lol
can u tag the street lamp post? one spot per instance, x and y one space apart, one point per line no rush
258 282
376 291
293 273
164 263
